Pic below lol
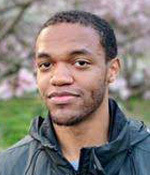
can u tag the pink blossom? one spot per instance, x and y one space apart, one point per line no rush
26 82
5 90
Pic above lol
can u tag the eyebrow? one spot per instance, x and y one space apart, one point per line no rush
42 55
80 52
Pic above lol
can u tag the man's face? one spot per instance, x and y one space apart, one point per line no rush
71 72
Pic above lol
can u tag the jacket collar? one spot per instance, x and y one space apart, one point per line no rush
117 120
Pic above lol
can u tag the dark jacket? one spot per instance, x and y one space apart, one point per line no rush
127 153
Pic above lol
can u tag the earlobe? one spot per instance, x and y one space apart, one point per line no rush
111 79
113 70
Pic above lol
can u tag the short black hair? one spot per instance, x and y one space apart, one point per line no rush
106 33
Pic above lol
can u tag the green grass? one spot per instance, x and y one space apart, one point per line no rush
16 115
138 108
15 118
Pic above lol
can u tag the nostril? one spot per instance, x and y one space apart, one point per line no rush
60 80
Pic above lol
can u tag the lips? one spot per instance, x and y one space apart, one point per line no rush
62 97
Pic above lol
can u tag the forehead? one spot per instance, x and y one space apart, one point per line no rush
65 36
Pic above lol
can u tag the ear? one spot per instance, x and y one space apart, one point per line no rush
113 70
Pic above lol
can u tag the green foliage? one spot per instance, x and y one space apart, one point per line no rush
16 115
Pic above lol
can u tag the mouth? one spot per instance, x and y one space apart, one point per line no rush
64 97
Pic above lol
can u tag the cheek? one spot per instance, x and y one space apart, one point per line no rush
93 81
42 82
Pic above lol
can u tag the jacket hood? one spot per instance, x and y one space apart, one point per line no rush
43 131
124 135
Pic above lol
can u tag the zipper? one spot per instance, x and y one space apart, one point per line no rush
54 153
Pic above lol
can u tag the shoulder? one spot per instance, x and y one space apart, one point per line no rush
15 156
142 154
139 147
139 135
21 145
140 140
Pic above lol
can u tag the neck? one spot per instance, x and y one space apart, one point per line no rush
92 132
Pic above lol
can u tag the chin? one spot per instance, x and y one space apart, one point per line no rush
69 121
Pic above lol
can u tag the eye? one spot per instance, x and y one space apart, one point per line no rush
45 66
82 64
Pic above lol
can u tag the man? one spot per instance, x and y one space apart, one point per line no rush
85 132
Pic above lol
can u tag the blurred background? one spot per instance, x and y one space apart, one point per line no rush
20 21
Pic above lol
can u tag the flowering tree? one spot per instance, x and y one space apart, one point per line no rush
20 22
130 20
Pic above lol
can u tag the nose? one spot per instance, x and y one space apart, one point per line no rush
61 76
